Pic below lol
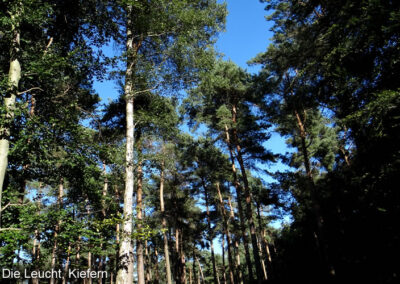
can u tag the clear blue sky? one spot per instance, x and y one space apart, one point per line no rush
247 32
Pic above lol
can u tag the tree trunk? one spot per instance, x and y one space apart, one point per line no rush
228 236
125 249
236 244
247 193
263 244
66 268
57 228
210 238
156 273
223 257
239 201
148 262
14 76
200 271
319 238
89 260
139 240
36 240
164 227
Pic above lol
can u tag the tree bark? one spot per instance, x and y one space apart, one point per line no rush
319 238
36 240
200 271
236 244
248 199
228 236
139 240
239 201
14 76
125 249
264 244
57 228
210 238
164 226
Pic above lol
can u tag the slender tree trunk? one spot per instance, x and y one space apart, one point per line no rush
148 262
156 273
190 276
200 271
182 261
232 269
223 258
239 201
66 268
210 238
164 227
14 76
125 249
319 236
104 213
36 240
263 244
248 199
139 240
194 268
89 263
57 228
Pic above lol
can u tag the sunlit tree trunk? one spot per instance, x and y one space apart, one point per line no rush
57 228
232 269
14 76
36 240
210 237
236 244
164 226
240 208
125 248
139 240
248 199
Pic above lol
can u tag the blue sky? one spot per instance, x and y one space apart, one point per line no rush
247 32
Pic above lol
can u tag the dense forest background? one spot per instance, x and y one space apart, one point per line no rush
172 182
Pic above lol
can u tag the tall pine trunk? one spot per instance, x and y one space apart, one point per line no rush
239 201
248 199
319 235
14 76
210 237
139 240
227 233
164 226
125 259
57 228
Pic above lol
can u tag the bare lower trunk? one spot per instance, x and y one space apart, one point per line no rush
319 236
139 240
232 269
89 280
66 268
156 272
57 228
210 239
36 240
248 199
14 76
148 263
223 258
239 201
200 270
236 245
125 249
164 227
